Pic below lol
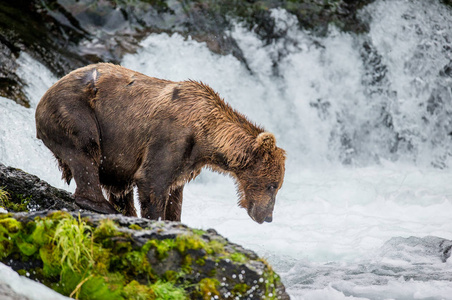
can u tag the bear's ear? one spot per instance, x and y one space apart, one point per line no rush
266 141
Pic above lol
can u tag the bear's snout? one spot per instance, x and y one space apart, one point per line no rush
259 213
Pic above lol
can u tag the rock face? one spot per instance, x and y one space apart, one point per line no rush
68 34
83 254
28 192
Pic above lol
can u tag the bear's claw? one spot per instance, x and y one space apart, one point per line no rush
101 207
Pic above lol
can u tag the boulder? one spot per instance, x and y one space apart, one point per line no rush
27 192
86 255
83 254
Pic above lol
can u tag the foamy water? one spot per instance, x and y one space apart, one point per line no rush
363 149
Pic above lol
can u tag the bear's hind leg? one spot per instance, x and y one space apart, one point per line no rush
68 127
88 194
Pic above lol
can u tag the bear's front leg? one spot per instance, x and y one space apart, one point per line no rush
152 204
125 203
174 205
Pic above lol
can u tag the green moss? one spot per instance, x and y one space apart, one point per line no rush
5 215
238 257
106 229
162 247
187 262
271 280
207 288
199 232
51 267
85 286
137 291
129 261
75 262
192 242
9 229
19 203
22 272
135 227
10 225
25 247
240 289
41 231
168 291
4 197
215 247
172 276
201 261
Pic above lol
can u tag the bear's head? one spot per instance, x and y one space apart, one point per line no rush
259 182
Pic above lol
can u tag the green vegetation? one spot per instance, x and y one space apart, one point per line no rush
4 196
208 288
271 279
238 257
83 261
135 227
7 201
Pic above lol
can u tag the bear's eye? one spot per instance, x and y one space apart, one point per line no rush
272 187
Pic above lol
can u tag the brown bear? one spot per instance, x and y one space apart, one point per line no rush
112 128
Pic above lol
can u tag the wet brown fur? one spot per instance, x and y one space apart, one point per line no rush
113 128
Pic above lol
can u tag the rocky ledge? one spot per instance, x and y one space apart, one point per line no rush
85 255
67 34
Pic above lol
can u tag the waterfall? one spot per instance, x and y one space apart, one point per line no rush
343 98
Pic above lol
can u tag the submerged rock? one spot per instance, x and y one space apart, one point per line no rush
417 249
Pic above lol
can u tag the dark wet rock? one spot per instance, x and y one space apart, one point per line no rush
28 192
67 34
10 84
29 26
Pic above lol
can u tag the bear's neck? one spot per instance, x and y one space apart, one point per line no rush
228 138
231 145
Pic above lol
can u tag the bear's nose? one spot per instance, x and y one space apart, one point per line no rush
268 219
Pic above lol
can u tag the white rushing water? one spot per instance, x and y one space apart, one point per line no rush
365 121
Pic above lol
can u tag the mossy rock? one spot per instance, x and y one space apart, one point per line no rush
91 256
